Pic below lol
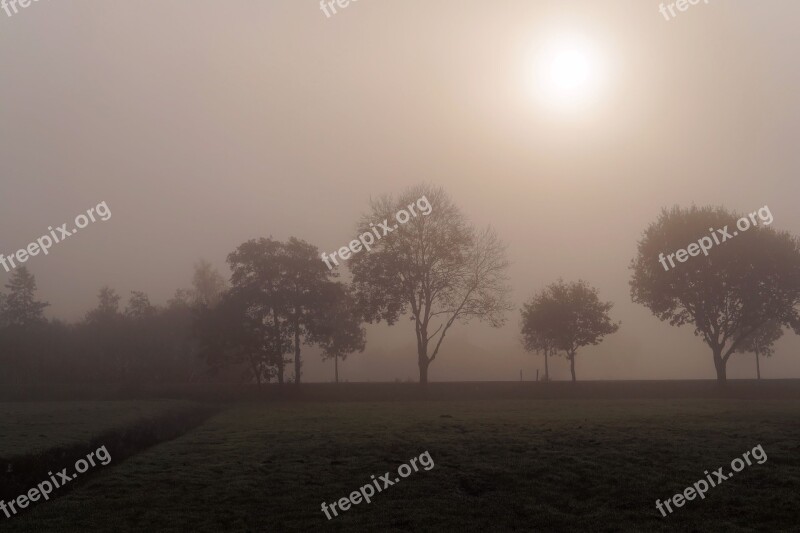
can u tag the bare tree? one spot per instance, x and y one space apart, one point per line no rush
435 267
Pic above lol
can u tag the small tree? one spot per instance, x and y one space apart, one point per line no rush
20 307
565 317
139 306
107 310
208 285
761 342
337 326
534 341
104 326
23 327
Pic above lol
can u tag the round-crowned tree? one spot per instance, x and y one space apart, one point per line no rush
699 266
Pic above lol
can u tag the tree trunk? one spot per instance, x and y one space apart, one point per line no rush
546 369
720 366
422 355
255 370
758 369
297 363
336 366
423 369
276 332
572 366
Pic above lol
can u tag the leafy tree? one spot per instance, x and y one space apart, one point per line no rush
566 317
435 267
139 306
181 299
534 340
179 343
258 271
337 325
104 334
234 332
107 309
22 327
143 341
208 285
303 280
761 342
744 282
20 307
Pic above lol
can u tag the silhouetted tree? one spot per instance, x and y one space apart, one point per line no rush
142 340
744 282
107 309
234 331
179 344
536 340
304 277
22 327
181 298
565 317
336 325
208 285
139 306
20 307
761 342
285 281
104 332
435 267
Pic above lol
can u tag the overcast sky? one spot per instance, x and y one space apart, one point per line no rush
203 124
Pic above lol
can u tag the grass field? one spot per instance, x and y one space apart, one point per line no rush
503 465
31 427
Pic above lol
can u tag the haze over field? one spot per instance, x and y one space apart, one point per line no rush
203 125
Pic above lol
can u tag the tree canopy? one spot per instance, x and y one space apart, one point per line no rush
743 283
566 317
436 268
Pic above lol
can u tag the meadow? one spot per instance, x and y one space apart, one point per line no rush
33 427
500 465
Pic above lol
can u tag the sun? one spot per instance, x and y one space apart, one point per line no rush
568 72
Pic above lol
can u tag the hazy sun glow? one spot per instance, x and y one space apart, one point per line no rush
568 73
570 70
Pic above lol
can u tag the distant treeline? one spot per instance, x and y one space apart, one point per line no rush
435 269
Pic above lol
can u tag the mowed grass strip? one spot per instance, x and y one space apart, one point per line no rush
500 466
31 427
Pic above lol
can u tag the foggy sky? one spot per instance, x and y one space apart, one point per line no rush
203 124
